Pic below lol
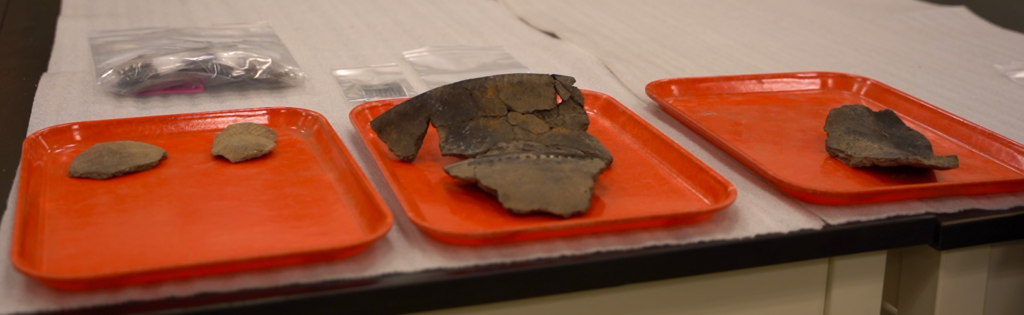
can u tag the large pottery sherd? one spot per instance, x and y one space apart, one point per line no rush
861 137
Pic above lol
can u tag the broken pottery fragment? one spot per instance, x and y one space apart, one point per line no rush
244 141
116 158
860 137
525 146
532 177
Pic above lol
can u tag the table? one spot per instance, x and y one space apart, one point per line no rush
26 36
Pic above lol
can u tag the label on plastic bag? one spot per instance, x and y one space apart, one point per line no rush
373 83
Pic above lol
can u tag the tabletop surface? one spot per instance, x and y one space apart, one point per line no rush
26 37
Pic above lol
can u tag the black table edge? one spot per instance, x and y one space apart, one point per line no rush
977 227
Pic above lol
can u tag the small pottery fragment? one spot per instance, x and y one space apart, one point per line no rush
244 141
116 158
860 137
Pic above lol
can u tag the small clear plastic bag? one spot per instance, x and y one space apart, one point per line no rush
440 65
1013 70
189 60
373 82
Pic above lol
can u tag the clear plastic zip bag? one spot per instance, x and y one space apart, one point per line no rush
189 60
440 65
373 83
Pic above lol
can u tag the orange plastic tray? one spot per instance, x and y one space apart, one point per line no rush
193 214
774 124
652 182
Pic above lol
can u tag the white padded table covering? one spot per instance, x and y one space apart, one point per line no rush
325 35
943 55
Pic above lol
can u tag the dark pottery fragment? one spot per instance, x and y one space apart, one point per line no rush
860 138
244 141
534 182
525 135
116 158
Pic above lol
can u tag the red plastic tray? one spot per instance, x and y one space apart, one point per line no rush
193 214
652 182
774 124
